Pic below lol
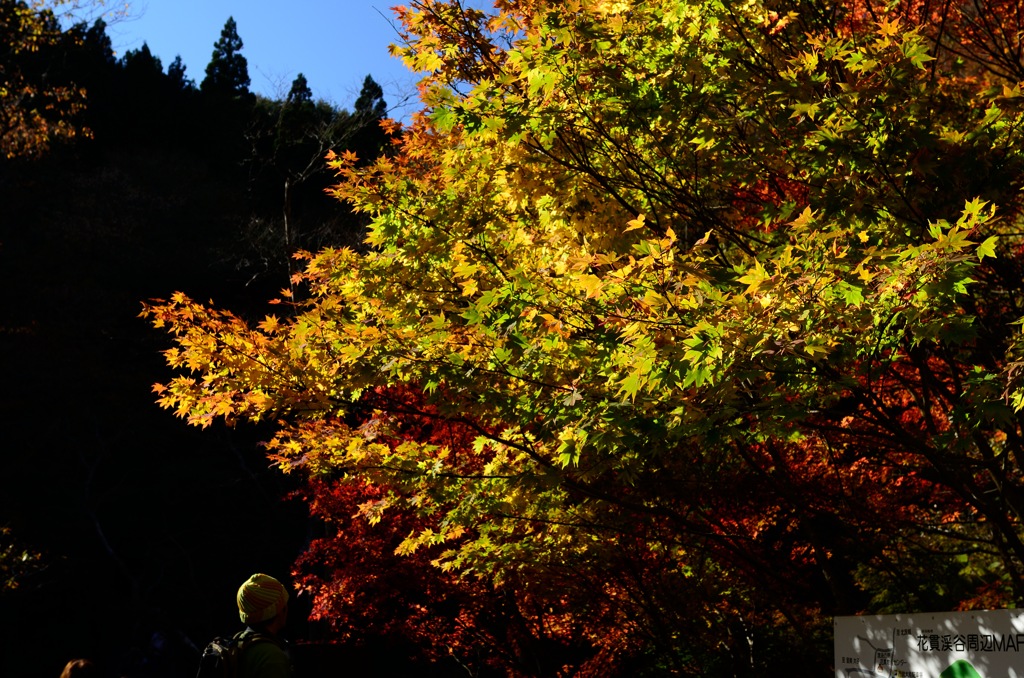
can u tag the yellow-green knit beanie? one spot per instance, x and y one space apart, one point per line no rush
260 598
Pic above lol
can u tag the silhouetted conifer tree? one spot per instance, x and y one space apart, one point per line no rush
369 139
142 62
228 70
97 42
176 75
371 104
300 92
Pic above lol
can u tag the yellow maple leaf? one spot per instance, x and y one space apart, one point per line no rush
634 224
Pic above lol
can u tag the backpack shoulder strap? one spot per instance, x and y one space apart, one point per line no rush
250 637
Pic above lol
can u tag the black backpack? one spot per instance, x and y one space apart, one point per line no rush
220 658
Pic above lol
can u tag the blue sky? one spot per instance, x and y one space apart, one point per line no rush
334 43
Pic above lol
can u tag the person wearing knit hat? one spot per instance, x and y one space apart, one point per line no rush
263 608
260 598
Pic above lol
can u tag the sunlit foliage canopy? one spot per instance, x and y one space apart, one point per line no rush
725 293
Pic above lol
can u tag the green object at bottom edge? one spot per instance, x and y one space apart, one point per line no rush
961 668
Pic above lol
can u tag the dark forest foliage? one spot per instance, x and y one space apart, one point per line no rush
143 185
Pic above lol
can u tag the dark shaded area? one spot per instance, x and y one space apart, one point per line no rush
145 525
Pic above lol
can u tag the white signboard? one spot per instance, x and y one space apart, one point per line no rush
983 644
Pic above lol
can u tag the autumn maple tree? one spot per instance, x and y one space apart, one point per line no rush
715 305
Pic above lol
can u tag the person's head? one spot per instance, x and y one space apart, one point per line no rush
79 668
262 602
